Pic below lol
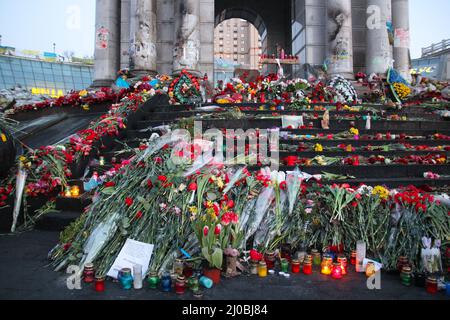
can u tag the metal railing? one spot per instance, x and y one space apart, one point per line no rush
436 47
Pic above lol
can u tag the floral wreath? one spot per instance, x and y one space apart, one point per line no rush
175 88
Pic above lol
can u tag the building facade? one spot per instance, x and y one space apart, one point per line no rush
237 40
44 77
165 36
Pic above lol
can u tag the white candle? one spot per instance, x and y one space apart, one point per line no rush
360 255
137 276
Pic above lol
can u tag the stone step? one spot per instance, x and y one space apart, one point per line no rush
57 221
172 116
394 182
341 125
377 171
366 142
73 204
388 154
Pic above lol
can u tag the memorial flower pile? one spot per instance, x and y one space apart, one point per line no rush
205 208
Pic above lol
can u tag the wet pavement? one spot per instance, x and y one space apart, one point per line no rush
25 274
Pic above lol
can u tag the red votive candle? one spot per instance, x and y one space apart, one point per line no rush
99 284
295 266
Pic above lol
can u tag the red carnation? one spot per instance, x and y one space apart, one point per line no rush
110 184
192 187
129 201
139 215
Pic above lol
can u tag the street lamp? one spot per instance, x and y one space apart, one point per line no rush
54 47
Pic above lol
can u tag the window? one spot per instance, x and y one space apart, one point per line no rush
235 42
242 49
242 35
243 42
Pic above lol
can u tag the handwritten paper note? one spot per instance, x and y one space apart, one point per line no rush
133 252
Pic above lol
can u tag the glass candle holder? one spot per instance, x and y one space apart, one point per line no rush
88 273
206 282
270 260
316 260
153 280
262 269
401 262
447 289
336 272
137 276
284 265
326 266
254 266
193 283
307 265
370 269
166 282
178 266
342 260
188 270
353 258
67 193
75 191
180 285
431 285
99 285
406 276
300 255
126 279
295 267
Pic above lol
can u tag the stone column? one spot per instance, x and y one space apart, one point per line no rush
400 20
143 37
378 57
186 53
339 38
125 34
107 42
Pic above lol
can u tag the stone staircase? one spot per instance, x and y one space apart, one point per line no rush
419 133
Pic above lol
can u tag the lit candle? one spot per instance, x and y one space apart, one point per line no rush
75 191
343 263
326 265
101 162
295 266
67 193
262 269
370 269
336 273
